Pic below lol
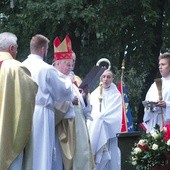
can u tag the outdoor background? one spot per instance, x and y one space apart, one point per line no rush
134 30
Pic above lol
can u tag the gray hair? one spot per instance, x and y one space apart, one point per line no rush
7 39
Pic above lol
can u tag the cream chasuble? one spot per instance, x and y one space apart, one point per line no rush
17 97
83 158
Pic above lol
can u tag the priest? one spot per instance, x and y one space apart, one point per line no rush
107 116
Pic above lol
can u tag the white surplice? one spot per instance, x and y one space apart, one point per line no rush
104 127
52 88
153 117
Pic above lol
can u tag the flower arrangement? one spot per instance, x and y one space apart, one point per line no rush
152 149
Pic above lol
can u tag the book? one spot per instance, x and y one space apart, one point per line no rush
92 79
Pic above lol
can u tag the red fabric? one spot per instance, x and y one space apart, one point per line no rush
124 123
57 42
63 55
142 125
167 133
76 83
68 42
0 63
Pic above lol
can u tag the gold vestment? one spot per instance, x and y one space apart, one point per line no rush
17 100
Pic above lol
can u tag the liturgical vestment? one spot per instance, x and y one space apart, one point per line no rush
17 100
104 127
154 116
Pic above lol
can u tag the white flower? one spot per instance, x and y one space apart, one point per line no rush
137 150
154 146
134 158
142 142
134 163
155 134
168 142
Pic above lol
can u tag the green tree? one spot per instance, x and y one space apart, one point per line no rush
136 31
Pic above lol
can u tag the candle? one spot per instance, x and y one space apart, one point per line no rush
101 88
100 96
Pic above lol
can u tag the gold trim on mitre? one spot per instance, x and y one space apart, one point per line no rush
62 50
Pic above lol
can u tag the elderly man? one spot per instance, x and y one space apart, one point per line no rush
65 128
17 100
72 131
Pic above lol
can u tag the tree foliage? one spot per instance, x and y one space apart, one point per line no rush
136 31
